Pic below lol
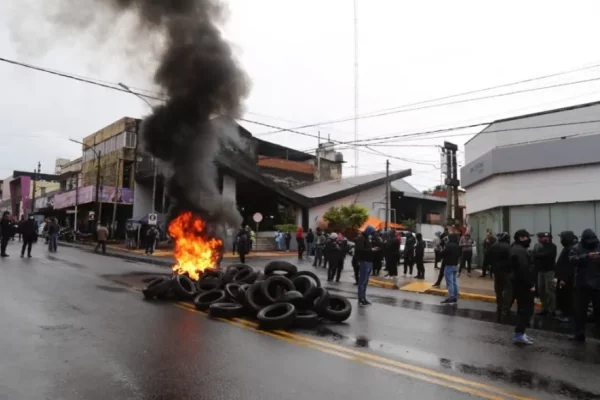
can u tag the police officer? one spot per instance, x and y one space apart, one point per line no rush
586 259
565 276
544 256
500 259
523 284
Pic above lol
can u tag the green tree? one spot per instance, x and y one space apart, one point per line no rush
410 224
350 216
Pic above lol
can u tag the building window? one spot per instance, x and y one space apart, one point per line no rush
43 191
130 139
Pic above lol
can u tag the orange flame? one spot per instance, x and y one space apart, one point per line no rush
193 251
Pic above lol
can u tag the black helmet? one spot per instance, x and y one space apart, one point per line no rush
503 237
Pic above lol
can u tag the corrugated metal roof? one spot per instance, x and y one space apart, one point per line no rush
327 187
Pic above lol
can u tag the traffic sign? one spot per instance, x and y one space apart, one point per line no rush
257 217
152 219
92 216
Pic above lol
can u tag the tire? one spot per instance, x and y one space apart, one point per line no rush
311 275
228 276
306 319
277 316
276 286
261 277
204 300
157 288
246 275
338 309
308 288
232 290
284 268
321 300
255 299
209 281
225 310
183 287
293 297
241 297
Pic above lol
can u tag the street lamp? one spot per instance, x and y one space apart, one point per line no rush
125 87
97 154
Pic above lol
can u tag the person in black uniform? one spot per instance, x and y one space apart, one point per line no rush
523 284
6 230
420 257
392 255
500 259
586 258
544 257
565 277
377 242
409 254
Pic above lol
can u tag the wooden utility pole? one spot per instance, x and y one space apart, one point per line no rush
387 194
36 174
452 182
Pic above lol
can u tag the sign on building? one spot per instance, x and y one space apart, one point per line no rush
92 216
152 219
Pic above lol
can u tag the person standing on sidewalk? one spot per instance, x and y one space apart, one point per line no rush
151 235
500 259
310 240
420 257
488 242
392 255
565 276
102 234
586 258
523 284
377 242
409 253
544 258
364 255
287 238
319 246
451 257
301 243
466 255
437 243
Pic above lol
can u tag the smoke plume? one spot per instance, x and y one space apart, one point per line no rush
201 80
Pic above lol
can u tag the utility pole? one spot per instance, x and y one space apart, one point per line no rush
319 157
154 186
98 198
452 182
387 194
356 86
76 201
35 178
457 215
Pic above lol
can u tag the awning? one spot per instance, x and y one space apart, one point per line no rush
379 224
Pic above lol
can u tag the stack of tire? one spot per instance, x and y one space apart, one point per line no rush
280 297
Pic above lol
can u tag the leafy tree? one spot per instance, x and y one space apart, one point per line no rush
350 216
410 224
436 188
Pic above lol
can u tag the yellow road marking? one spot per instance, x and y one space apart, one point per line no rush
424 374
418 287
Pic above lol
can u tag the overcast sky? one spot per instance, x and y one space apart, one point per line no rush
300 57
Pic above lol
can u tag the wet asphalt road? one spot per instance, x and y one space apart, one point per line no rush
73 329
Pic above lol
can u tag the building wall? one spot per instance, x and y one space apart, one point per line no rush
535 187
142 200
368 199
6 187
512 131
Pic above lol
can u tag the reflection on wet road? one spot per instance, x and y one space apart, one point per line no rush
77 329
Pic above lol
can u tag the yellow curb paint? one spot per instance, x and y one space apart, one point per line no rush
418 287
470 296
423 374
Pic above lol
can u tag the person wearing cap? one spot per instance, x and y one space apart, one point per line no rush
523 284
565 276
544 257
585 256
363 251
333 252
500 259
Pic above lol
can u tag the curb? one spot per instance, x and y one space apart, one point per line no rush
383 285
125 256
470 296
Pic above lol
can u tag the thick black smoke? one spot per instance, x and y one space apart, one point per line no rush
201 80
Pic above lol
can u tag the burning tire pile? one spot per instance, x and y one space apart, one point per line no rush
280 297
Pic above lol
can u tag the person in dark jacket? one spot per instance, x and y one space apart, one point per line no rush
320 242
451 258
301 243
242 244
443 241
377 242
488 242
466 255
287 238
53 229
420 257
565 276
6 232
523 268
392 255
409 253
310 240
585 256
28 231
334 253
363 251
500 260
544 258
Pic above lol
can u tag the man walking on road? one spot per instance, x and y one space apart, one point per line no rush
102 234
451 257
500 259
544 257
364 255
28 230
523 284
586 258
53 229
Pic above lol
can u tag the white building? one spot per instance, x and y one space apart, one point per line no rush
538 172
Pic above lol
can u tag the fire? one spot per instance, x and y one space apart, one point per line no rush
193 251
